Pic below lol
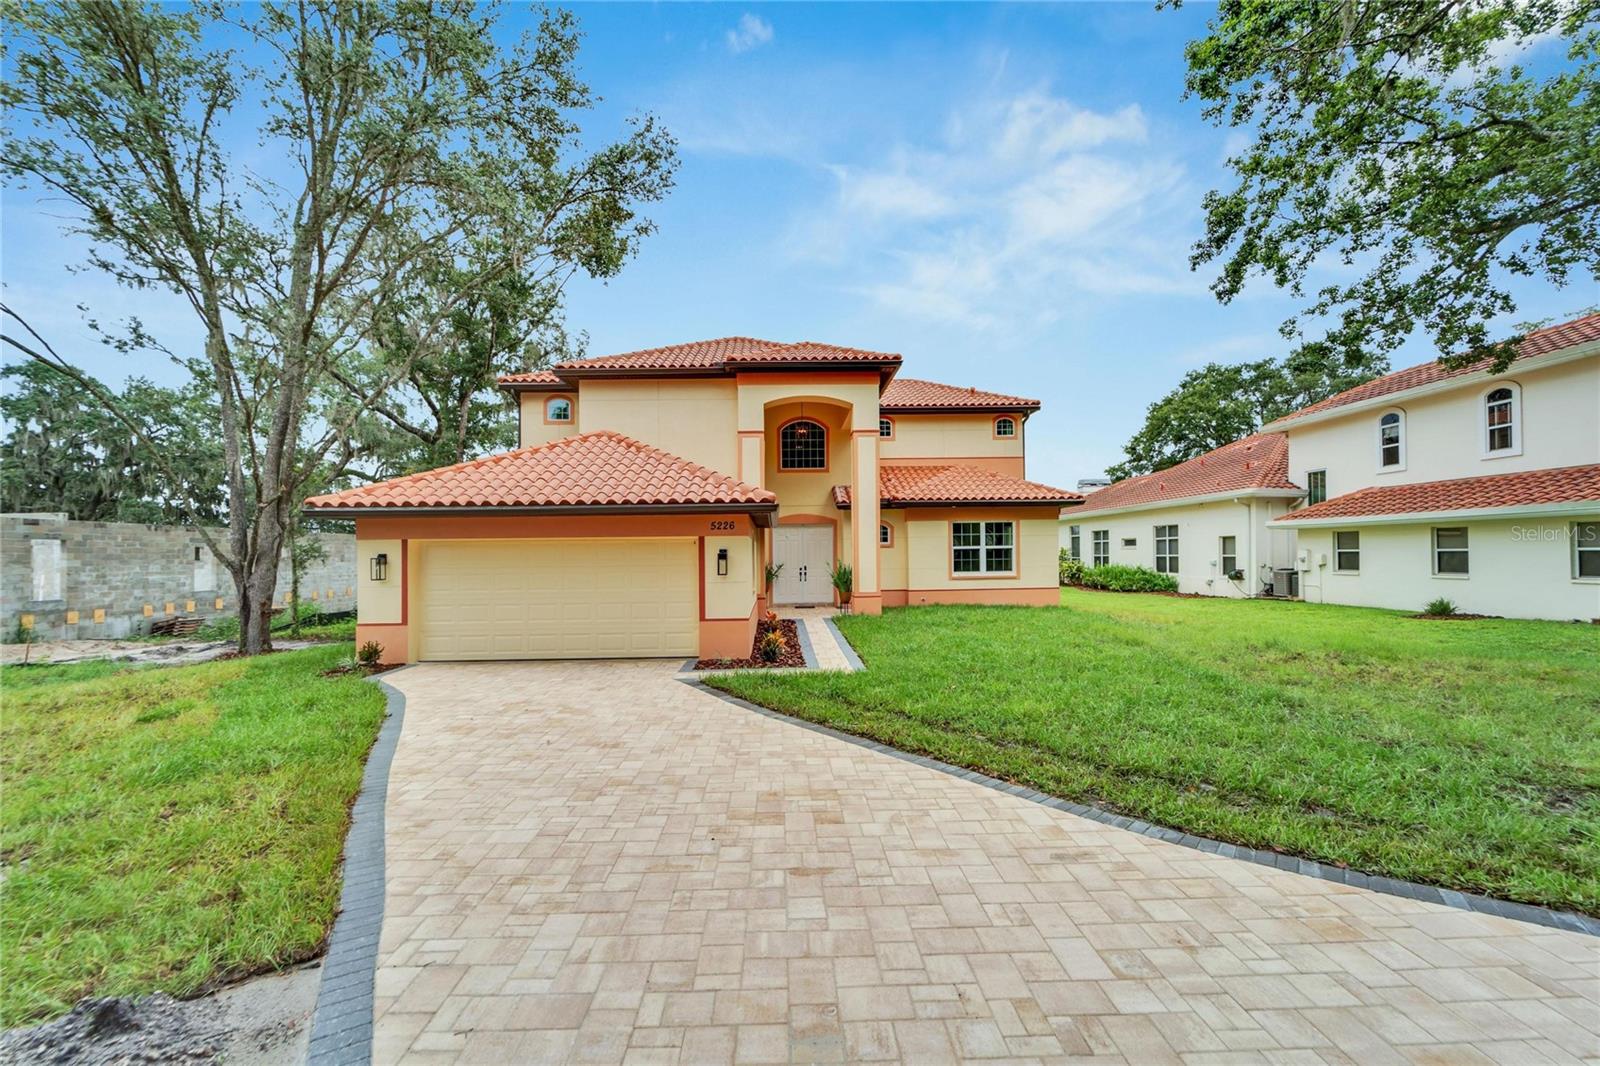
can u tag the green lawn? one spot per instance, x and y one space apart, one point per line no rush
1460 753
170 827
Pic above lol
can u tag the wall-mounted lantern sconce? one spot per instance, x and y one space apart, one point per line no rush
380 567
722 562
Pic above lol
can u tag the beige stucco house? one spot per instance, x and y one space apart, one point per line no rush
653 488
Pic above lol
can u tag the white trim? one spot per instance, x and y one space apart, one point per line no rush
1574 507
1515 447
1389 399
983 547
1183 501
1398 412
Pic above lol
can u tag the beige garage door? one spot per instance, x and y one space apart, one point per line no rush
557 599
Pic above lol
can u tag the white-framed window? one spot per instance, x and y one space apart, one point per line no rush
1005 426
1166 549
1347 551
1316 486
1228 555
1074 542
802 445
886 428
1450 550
1099 547
558 409
1392 440
1502 420
1586 549
885 535
45 557
983 547
1130 542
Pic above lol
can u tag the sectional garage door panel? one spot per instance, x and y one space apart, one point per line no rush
558 599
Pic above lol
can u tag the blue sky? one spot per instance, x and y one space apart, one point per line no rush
1006 195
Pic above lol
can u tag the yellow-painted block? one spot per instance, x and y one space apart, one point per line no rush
100 615
288 597
27 621
315 594
330 594
188 605
171 608
149 610
72 618
219 603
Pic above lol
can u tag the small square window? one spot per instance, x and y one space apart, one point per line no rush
1450 550
558 409
1347 551
1005 427
886 428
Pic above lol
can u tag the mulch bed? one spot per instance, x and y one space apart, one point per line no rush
792 654
1458 617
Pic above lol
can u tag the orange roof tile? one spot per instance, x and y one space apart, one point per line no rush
900 486
1567 484
912 394
1538 342
1259 461
723 355
536 379
602 469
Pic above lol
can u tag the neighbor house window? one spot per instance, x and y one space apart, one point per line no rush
1130 542
885 534
1005 427
1391 441
1099 547
1450 550
558 409
1166 549
802 445
886 428
1500 420
1230 555
983 547
1347 551
45 555
1316 486
1074 542
1586 549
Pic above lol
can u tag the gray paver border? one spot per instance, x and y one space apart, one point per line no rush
850 655
341 1027
1499 908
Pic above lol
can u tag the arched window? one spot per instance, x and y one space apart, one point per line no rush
558 409
886 428
885 535
1392 441
1005 426
802 445
1502 434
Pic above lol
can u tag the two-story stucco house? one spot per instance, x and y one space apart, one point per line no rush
1483 489
652 489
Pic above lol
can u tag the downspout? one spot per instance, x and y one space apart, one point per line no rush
1252 572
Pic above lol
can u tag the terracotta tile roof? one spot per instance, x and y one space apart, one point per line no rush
602 469
534 379
902 485
1567 484
911 394
1259 461
726 354
1538 342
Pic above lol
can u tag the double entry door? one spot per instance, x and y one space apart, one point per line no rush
806 553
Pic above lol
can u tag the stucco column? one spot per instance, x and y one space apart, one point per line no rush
752 471
868 597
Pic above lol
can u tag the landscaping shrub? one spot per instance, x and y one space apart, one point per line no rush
370 653
1072 570
1439 608
1128 579
771 646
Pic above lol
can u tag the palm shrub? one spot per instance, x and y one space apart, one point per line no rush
843 581
1439 608
1116 578
1072 570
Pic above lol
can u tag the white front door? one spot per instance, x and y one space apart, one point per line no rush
806 553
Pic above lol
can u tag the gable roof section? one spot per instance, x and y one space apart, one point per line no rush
929 486
1256 464
910 395
590 471
1584 330
1531 488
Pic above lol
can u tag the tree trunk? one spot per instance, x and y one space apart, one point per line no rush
256 625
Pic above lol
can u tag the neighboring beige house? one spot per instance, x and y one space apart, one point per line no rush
1425 483
652 489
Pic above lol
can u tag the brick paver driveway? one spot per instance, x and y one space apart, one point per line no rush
598 863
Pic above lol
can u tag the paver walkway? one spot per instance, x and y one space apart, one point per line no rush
594 862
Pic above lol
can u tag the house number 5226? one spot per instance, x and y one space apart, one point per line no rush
722 525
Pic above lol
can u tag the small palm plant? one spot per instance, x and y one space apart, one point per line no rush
773 570
1440 608
844 579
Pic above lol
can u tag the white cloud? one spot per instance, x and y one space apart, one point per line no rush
753 31
889 194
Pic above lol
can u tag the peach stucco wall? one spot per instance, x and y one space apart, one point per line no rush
695 418
957 440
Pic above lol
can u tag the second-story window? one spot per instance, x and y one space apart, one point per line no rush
802 445
1005 426
558 409
1391 441
1500 419
1316 486
886 428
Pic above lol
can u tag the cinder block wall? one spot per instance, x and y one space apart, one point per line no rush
133 574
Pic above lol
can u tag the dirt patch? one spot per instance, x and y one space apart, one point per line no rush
261 1022
792 655
1457 617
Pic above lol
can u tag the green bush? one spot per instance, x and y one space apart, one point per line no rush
1128 579
1440 607
1072 570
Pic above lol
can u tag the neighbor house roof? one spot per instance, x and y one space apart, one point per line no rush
592 471
924 486
1257 464
1584 330
1529 489
905 395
